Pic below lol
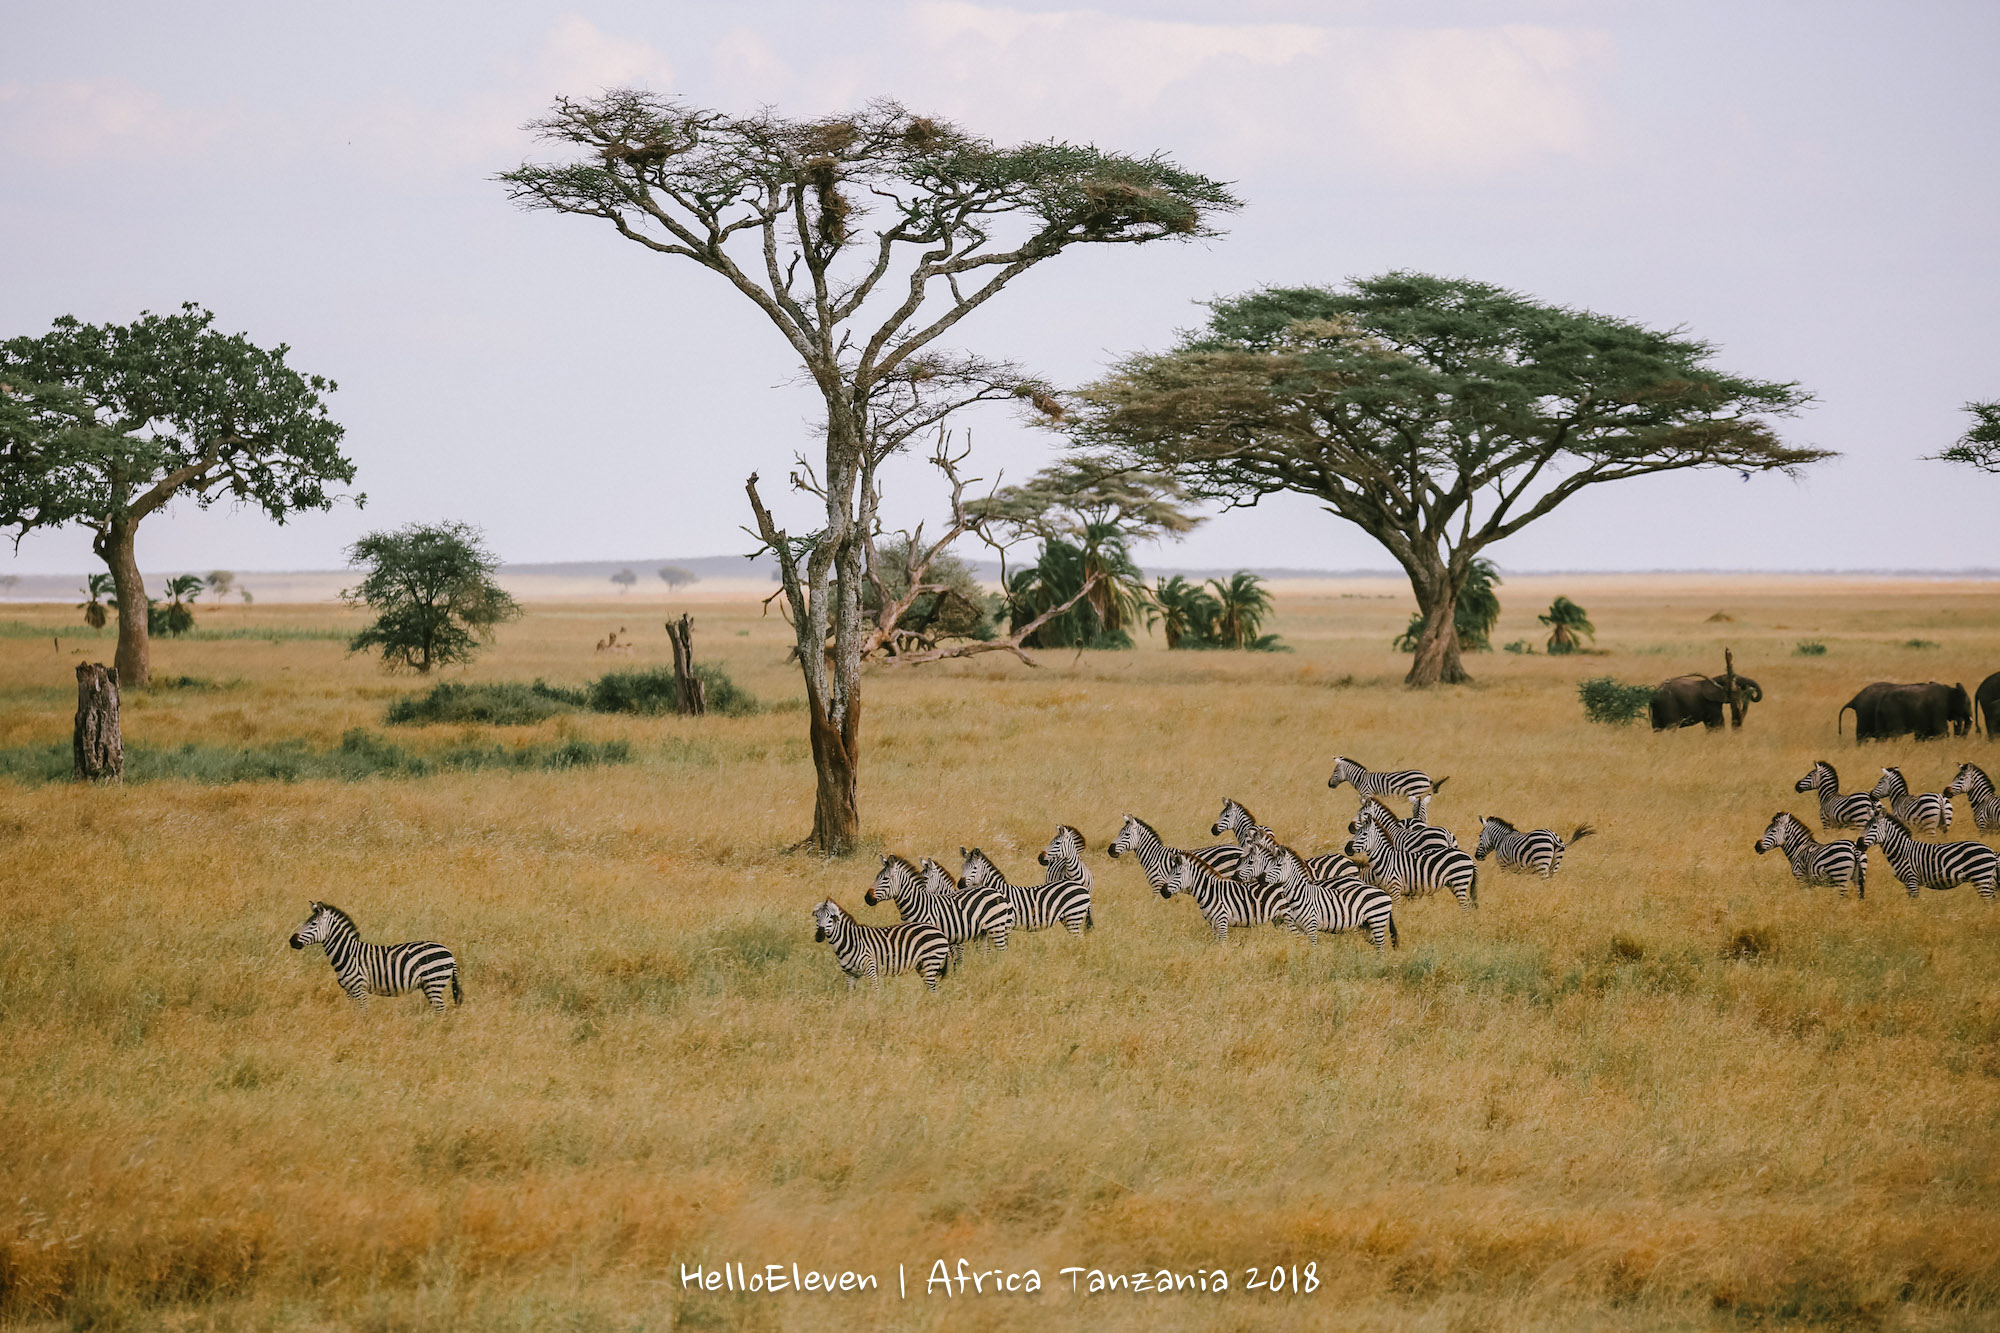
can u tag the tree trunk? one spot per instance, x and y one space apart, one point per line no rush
135 653
837 768
694 693
1437 658
97 746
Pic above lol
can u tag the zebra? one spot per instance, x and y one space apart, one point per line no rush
879 951
1936 865
1409 871
1223 902
1414 832
1539 850
1066 845
1236 820
1409 783
1838 863
1239 823
929 896
1312 905
1853 810
378 969
1973 784
1929 812
1063 900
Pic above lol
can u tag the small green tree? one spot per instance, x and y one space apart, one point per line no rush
1241 605
221 582
674 576
959 608
624 578
102 425
96 588
1980 446
431 587
177 617
1569 625
1102 611
1184 611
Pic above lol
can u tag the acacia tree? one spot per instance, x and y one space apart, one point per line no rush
1438 415
864 239
1980 445
104 424
432 590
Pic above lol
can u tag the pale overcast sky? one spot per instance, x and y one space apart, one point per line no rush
1811 186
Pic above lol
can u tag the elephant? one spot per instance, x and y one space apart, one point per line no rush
1987 696
1686 700
1925 711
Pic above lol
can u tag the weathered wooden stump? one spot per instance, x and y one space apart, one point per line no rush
694 694
98 747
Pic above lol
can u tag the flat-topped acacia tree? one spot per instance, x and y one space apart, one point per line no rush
1438 415
104 424
864 239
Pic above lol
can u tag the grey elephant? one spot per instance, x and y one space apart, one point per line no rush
1924 710
1686 700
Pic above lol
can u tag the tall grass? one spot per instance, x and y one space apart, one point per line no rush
1669 1089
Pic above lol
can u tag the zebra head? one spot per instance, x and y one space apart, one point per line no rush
1259 857
1891 786
1234 820
1368 843
978 872
1821 772
319 922
896 879
1282 867
1127 839
1492 829
1372 812
1774 836
1067 845
1344 770
937 879
1971 781
1880 829
1180 875
825 917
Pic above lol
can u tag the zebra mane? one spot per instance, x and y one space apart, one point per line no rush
1241 808
898 860
1495 819
340 916
1150 829
1883 812
1075 832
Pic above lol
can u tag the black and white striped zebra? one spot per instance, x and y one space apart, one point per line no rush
1407 783
366 969
1311 906
881 951
1853 810
1412 832
1538 851
929 895
1223 902
1406 871
1977 789
1932 865
1838 863
1924 812
1063 899
1236 820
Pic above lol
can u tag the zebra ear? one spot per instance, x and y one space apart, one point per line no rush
964 855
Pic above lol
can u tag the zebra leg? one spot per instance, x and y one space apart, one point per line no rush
434 990
931 974
1378 935
999 939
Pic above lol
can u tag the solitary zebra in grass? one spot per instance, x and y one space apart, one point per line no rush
1538 850
928 896
1412 832
1932 865
1404 871
1973 784
1223 902
1408 783
881 951
1311 906
1235 819
1853 810
379 969
1838 863
1063 899
1926 812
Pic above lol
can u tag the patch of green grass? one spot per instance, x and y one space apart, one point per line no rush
657 691
361 754
498 703
1809 648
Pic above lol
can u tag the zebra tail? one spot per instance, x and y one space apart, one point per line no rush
1473 888
1394 943
1438 786
1582 831
1088 923
457 992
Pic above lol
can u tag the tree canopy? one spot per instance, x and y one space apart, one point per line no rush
104 424
1439 415
863 239
1980 445
431 587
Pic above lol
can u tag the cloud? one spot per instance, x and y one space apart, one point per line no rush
91 118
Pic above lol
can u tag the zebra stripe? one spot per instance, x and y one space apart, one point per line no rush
1838 863
379 969
1311 906
1932 865
1539 851
879 951
931 896
1973 784
1239 823
1062 900
1412 831
1223 902
1408 871
1853 810
1929 812
1408 783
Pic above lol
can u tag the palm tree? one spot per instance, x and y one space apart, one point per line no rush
177 618
1241 605
97 589
1569 624
1183 610
1101 618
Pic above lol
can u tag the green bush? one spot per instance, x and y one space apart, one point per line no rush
1607 700
497 703
657 691
1809 648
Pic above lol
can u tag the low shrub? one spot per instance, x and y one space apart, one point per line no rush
362 754
497 703
1610 701
658 691
1809 648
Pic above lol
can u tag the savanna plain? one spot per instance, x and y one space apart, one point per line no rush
1670 1089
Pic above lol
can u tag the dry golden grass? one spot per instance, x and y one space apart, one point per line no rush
1571 1109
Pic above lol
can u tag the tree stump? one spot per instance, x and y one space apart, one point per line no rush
694 694
98 747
